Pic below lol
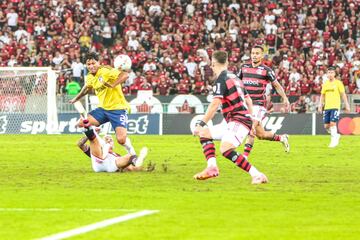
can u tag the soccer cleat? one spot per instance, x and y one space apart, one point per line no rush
285 142
334 141
259 179
140 160
209 172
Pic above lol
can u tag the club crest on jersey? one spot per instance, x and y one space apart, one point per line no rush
101 79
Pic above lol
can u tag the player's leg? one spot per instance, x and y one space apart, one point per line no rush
249 143
234 136
118 120
267 135
96 117
335 136
259 113
207 136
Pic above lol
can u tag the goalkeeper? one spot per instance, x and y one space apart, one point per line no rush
113 107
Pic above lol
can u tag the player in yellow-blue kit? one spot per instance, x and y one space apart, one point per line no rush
331 93
113 107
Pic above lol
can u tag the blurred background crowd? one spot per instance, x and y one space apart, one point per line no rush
163 38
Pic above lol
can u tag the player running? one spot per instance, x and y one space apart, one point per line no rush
103 159
331 92
113 107
256 77
236 108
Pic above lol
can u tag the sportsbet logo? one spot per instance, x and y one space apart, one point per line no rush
349 126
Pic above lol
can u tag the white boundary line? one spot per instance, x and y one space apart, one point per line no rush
98 225
67 209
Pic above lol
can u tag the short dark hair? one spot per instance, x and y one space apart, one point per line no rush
220 56
331 68
92 55
259 47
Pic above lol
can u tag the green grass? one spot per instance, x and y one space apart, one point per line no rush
314 192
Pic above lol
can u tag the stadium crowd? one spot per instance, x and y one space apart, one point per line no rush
163 38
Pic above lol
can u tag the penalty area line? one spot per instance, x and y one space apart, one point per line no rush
98 225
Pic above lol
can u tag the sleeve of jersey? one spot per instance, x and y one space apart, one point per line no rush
271 75
88 80
111 75
341 87
219 88
323 90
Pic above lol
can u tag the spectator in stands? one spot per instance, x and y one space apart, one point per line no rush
301 38
77 69
72 88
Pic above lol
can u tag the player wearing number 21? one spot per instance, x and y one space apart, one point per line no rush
106 82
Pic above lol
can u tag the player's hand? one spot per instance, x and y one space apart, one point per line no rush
197 130
319 109
72 100
287 105
347 109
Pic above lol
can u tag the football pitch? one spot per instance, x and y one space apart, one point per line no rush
47 187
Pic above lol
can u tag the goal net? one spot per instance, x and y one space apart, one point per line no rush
28 100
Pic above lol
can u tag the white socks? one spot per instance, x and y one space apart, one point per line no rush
129 148
333 131
254 172
211 162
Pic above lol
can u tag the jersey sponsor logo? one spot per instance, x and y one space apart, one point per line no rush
273 123
250 82
3 124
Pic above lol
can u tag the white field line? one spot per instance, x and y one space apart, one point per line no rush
67 209
98 225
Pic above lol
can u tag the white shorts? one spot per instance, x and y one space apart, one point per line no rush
104 165
232 132
259 113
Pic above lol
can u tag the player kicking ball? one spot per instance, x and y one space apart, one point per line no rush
236 107
106 82
103 159
331 92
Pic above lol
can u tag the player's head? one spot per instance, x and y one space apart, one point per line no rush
257 54
219 59
109 140
331 72
92 62
219 62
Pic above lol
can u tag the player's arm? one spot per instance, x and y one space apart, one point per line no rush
115 77
85 90
210 112
321 102
280 90
83 146
346 102
344 97
249 104
123 76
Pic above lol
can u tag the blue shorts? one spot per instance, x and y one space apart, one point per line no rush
331 115
117 118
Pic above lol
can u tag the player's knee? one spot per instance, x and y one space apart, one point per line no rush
121 139
225 147
261 135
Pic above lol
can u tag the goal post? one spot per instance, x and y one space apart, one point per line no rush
28 95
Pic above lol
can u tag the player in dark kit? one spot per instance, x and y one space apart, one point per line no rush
236 108
256 78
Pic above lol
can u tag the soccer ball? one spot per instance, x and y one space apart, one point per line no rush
122 62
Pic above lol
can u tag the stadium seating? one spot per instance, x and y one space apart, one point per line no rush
301 38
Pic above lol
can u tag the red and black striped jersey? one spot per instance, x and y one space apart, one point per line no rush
231 90
255 80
